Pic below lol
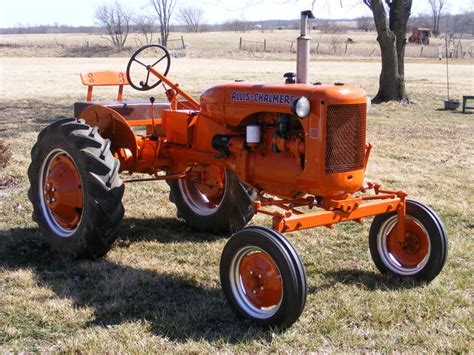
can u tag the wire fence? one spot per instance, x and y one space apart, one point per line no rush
347 47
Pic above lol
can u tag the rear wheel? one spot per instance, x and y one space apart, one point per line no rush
263 278
422 255
213 208
75 189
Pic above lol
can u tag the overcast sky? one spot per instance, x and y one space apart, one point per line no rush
81 12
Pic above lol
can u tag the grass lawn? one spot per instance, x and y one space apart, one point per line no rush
158 288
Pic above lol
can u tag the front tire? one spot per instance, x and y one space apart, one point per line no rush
424 252
75 189
211 209
263 277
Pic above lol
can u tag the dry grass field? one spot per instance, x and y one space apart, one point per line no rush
221 45
158 289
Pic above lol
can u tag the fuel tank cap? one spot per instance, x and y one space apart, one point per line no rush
290 78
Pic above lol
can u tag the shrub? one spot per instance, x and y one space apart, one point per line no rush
5 154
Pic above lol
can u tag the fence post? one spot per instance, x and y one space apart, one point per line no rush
182 41
345 50
240 43
264 45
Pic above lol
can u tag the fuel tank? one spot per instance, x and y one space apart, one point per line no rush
229 104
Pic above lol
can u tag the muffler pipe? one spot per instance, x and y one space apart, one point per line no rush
303 48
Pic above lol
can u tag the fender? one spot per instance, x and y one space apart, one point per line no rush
111 125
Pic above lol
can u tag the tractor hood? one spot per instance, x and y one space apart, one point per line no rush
232 103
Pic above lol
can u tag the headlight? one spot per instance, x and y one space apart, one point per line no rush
369 104
301 107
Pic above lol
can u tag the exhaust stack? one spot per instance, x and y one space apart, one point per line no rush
302 52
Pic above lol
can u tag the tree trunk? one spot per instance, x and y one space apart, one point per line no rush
399 14
391 84
392 40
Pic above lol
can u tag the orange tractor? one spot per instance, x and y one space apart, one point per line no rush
294 151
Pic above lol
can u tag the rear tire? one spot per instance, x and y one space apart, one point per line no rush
424 252
75 189
263 278
230 211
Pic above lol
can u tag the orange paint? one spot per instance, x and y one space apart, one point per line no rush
413 249
261 279
63 192
104 78
323 155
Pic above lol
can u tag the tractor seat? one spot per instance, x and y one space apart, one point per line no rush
134 110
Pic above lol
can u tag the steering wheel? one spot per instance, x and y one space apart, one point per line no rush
151 51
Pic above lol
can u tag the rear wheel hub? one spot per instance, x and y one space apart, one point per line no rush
63 197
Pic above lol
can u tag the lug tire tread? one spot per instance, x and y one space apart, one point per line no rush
103 189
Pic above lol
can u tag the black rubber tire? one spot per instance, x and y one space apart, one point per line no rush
289 264
233 213
436 234
102 188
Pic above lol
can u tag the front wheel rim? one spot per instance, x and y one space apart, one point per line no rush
256 282
60 192
404 259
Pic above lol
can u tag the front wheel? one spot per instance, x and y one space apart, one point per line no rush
263 277
422 255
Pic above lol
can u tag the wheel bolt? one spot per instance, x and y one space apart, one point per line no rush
261 287
254 291
251 272
53 200
259 276
53 189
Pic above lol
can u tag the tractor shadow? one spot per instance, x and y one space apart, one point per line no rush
161 229
175 307
30 115
173 230
369 280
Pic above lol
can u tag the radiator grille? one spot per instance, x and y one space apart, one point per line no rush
345 138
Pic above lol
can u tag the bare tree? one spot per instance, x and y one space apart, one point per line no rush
145 25
437 7
391 35
335 43
116 20
365 24
164 10
462 23
422 20
327 26
192 17
236 25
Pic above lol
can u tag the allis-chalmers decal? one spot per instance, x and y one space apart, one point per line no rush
257 97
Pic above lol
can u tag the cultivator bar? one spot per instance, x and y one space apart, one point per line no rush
353 208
